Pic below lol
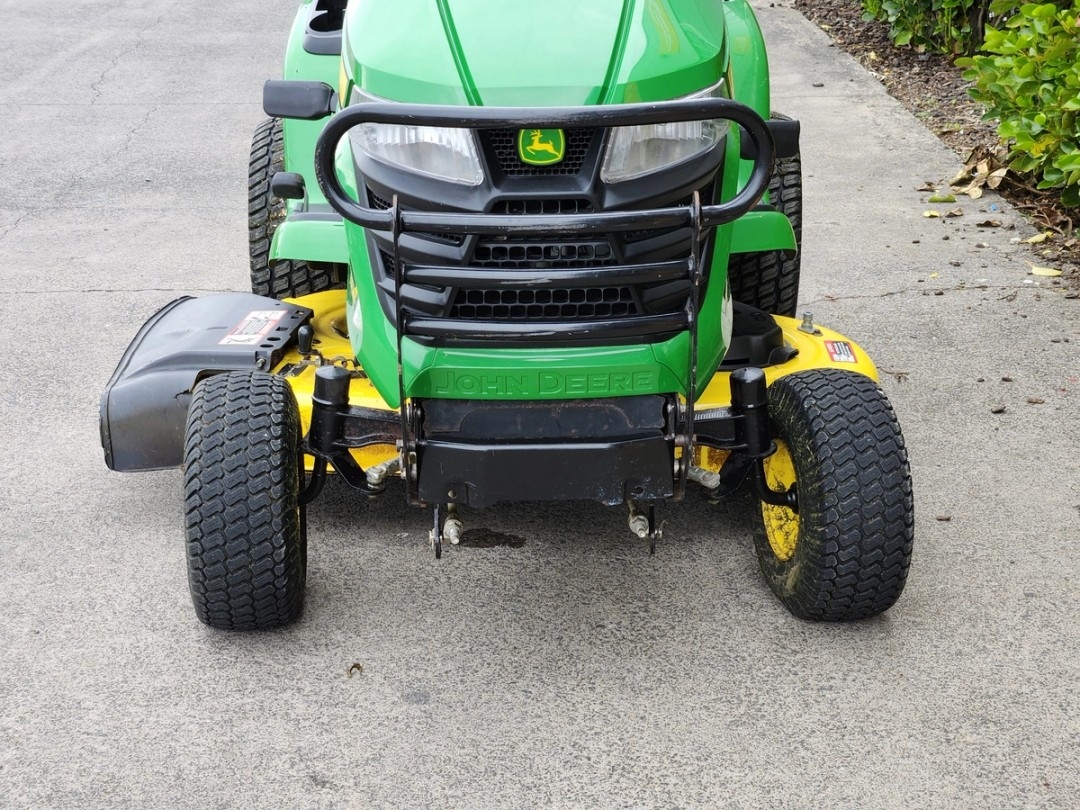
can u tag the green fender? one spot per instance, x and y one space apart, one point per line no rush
313 240
761 231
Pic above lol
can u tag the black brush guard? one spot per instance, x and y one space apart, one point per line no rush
744 428
699 218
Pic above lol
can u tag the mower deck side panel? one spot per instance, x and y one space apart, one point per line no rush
144 406
820 349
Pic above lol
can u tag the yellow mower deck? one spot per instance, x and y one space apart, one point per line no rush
821 349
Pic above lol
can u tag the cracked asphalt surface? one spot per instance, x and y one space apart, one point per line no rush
551 663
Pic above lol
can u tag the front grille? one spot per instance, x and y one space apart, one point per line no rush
389 265
567 206
503 145
593 303
538 252
543 253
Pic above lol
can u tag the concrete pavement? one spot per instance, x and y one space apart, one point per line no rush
571 670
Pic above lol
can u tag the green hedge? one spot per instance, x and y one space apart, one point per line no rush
942 26
1028 76
1024 63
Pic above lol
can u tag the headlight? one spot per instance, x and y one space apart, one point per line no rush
636 151
444 153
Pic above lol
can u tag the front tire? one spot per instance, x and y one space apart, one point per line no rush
246 544
845 554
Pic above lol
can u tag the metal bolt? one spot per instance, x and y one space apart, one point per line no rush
807 324
452 530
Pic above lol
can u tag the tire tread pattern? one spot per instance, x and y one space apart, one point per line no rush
285 278
856 505
246 549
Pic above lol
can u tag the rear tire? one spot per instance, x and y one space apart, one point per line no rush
246 544
846 554
766 280
285 278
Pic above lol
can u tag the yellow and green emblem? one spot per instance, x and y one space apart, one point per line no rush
541 147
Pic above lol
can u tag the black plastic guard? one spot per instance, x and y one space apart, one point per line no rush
144 406
610 473
608 450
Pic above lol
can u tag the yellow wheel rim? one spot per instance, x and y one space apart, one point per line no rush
781 523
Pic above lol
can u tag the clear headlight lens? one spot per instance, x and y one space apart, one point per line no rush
636 151
441 152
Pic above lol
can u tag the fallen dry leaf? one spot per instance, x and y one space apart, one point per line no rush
955 212
930 214
1047 272
962 176
1036 401
989 223
998 409
1037 238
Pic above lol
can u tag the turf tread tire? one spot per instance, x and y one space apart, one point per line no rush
766 280
246 545
856 512
285 278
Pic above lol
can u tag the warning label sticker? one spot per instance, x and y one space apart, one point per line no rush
840 351
254 327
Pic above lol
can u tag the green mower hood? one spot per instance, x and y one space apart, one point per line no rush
540 53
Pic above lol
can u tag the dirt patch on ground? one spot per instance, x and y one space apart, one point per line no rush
934 90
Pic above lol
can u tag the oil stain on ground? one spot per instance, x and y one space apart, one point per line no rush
486 538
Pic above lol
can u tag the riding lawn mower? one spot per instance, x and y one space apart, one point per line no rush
504 252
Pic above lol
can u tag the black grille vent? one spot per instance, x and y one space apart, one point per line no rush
594 303
389 265
503 144
540 254
571 206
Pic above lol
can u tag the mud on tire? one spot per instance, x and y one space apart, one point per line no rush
246 544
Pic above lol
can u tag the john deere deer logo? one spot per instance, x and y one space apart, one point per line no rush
541 147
